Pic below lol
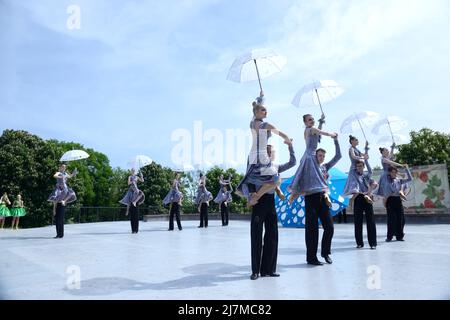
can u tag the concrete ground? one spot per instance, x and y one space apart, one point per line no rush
214 263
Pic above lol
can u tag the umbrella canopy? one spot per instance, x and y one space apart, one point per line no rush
256 64
139 161
394 124
73 155
356 122
398 138
316 93
294 215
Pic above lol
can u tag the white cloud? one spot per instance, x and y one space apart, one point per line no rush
324 36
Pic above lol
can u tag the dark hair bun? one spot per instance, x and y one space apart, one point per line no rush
381 150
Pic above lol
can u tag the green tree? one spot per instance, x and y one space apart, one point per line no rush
27 165
119 185
157 183
213 175
426 147
93 181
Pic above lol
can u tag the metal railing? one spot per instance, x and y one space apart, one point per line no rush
103 214
100 214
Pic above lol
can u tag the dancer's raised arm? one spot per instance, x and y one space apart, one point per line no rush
278 132
355 157
323 133
321 121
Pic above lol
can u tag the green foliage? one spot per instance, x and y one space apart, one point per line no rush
26 167
28 164
157 182
213 175
426 147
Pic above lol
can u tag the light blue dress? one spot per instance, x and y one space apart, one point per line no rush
62 191
352 185
133 193
260 169
203 195
383 183
308 178
174 195
224 194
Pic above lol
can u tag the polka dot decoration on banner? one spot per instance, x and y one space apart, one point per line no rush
293 216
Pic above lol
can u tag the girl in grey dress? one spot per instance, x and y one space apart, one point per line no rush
308 178
203 195
174 195
134 195
222 195
62 192
387 161
352 185
260 170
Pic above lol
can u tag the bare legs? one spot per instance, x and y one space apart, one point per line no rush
16 222
255 196
280 194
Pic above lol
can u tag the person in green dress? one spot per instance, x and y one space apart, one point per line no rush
17 211
4 211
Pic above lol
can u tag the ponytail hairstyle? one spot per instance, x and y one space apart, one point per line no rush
381 150
256 107
351 138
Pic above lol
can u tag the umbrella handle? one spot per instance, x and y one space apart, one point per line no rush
390 129
364 134
257 72
318 98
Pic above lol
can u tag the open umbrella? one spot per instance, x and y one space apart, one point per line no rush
256 64
397 138
139 161
357 120
73 155
394 124
316 93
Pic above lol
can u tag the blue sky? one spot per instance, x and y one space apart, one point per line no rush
136 71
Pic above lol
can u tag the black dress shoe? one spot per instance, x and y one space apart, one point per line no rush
315 263
57 237
200 227
254 276
327 259
169 229
401 239
388 240
270 275
373 247
359 246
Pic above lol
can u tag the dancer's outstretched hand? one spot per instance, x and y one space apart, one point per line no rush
322 118
336 137
333 135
